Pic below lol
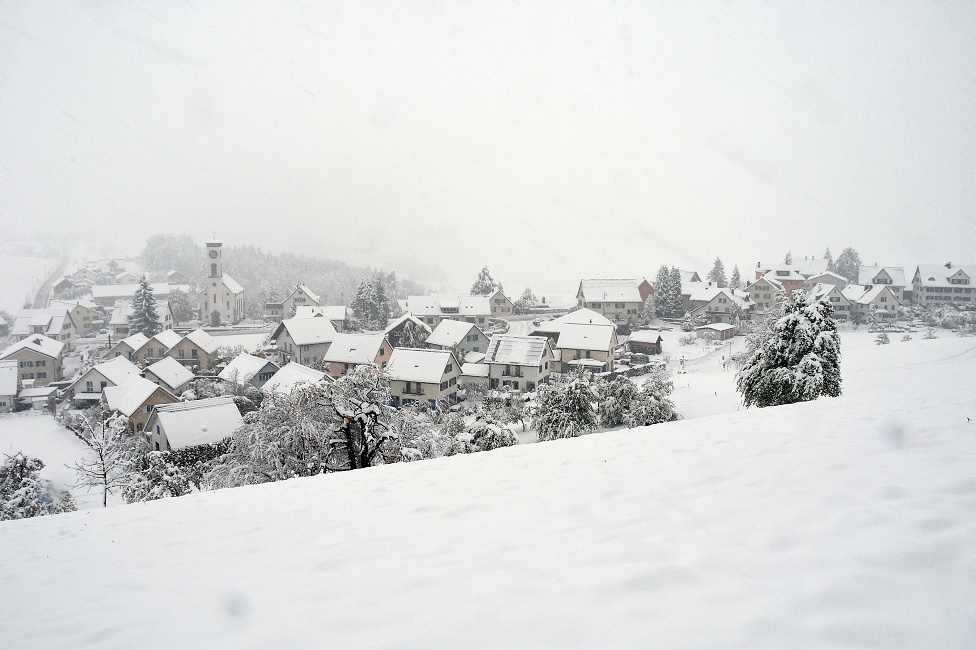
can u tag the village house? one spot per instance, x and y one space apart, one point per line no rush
764 293
828 277
834 296
125 277
9 385
619 300
305 340
38 358
337 314
877 302
645 342
891 276
197 349
690 281
395 328
432 309
88 385
122 313
106 295
804 267
274 311
221 299
449 333
170 374
301 296
787 276
53 322
84 317
157 347
519 362
291 375
501 306
135 399
423 376
935 284
247 370
179 279
182 425
715 331
350 350
127 347
720 304
586 346
474 373
554 327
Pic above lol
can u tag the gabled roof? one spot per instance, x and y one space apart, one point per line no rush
822 290
517 350
586 337
618 290
120 313
308 292
688 277
197 422
289 376
203 340
475 369
332 312
866 274
117 370
167 338
402 320
785 273
307 331
434 305
136 341
937 275
864 295
243 368
581 317
127 398
126 291
354 348
645 336
38 343
50 319
171 372
450 332
709 292
231 284
426 366
830 275
803 266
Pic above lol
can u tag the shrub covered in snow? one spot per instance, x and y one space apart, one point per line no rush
652 404
795 357
565 410
156 478
615 398
882 339
23 493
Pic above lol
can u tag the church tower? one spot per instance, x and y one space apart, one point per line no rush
215 259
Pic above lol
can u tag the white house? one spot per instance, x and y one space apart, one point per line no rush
135 399
833 295
197 348
246 369
337 314
305 340
53 322
936 284
9 384
764 293
350 350
449 333
170 374
221 298
127 347
38 359
188 424
720 304
620 300
423 376
432 309
891 276
877 302
519 362
301 296
291 375
588 346
89 384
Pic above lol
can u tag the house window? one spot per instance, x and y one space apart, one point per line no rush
103 384
89 387
180 353
42 375
193 353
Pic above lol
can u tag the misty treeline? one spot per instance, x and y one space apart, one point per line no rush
266 276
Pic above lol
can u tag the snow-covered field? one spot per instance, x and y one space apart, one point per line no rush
21 277
841 522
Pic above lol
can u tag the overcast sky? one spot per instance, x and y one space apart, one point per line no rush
550 141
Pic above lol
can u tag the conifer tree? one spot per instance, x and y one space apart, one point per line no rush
413 336
144 317
485 285
736 281
380 309
848 264
662 291
717 275
830 260
789 258
674 298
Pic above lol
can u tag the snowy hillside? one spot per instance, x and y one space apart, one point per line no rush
842 522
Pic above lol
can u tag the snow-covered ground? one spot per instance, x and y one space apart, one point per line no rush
21 277
249 342
840 522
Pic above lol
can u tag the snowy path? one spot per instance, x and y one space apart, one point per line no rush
841 522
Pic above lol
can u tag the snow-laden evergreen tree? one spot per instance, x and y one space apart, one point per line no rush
648 309
662 291
565 410
848 264
485 434
615 397
379 313
652 404
789 258
675 308
794 356
155 477
362 303
882 339
830 260
144 317
485 285
180 305
392 293
112 453
525 303
717 275
413 336
24 494
736 281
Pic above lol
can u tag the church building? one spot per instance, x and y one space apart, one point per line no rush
221 299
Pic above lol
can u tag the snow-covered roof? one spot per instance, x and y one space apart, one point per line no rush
586 337
517 350
865 295
42 391
120 313
332 312
126 291
290 375
784 273
127 398
243 368
645 336
828 275
8 377
308 292
231 284
937 275
474 357
618 290
38 343
170 371
591 363
167 338
117 370
435 305
579 317
450 332
197 422
475 369
354 348
203 340
411 364
397 322
706 293
803 266
307 331
688 277
776 284
51 320
866 274
717 327
136 341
